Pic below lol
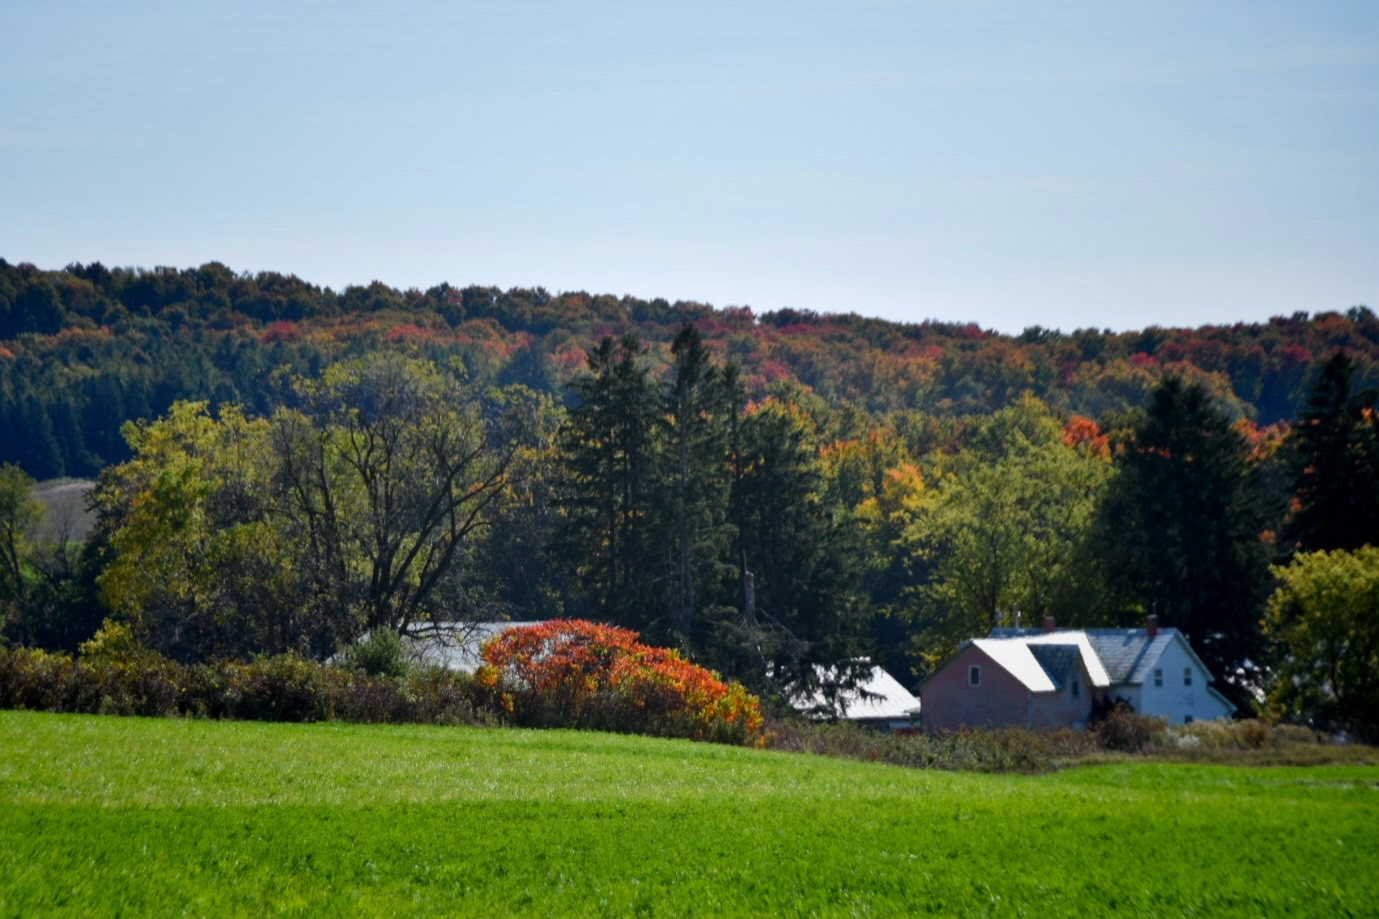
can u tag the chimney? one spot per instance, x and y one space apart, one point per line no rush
1151 625
1049 624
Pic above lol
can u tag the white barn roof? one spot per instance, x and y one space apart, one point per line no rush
877 697
455 646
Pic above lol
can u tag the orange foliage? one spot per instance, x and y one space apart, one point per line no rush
1081 431
1262 442
573 673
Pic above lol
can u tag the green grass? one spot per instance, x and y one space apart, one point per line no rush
134 816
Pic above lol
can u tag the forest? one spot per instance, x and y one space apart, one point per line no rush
282 467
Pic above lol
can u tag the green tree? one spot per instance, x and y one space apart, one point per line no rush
385 471
1334 451
1004 533
19 513
516 574
607 446
1322 623
699 404
196 568
352 511
801 606
1180 532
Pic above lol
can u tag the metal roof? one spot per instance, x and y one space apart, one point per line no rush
1014 655
454 646
877 697
1111 656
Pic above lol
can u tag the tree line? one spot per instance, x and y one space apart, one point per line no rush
86 348
394 492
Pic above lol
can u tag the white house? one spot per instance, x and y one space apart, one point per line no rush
1054 677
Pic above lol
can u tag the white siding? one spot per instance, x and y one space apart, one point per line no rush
1175 702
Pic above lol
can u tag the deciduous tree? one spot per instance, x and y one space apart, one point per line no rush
19 512
1323 625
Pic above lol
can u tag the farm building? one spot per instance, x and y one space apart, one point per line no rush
877 700
1052 678
455 646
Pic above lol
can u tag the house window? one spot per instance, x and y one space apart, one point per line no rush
1077 688
1187 676
974 675
1158 678
1187 719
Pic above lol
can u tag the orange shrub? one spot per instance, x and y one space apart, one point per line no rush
572 673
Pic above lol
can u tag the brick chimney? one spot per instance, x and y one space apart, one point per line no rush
1049 624
1151 625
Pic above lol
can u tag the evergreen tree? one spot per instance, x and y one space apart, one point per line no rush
606 459
1180 529
698 402
1335 465
802 606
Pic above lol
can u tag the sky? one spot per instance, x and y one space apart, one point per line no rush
1077 164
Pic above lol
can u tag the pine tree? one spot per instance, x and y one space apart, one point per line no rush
606 457
1335 463
699 401
1180 530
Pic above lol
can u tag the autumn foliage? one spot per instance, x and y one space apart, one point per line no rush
578 674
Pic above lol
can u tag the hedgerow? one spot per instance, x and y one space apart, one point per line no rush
597 677
280 688
563 674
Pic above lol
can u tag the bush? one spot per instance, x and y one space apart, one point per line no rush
135 681
36 680
283 688
1125 731
379 653
1250 734
572 673
997 750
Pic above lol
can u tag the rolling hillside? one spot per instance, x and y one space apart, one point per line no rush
110 816
85 348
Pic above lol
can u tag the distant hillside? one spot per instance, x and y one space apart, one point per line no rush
86 348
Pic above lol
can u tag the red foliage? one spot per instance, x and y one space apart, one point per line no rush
410 332
573 673
1079 431
282 330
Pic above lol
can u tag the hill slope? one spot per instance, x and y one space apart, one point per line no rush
86 348
100 816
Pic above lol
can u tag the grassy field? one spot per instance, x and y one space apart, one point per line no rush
65 514
133 816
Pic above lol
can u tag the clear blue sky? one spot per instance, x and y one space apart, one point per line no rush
1100 163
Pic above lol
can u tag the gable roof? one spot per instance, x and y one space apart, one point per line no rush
1015 657
1121 656
1044 661
1130 654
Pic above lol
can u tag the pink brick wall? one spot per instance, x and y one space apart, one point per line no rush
948 701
